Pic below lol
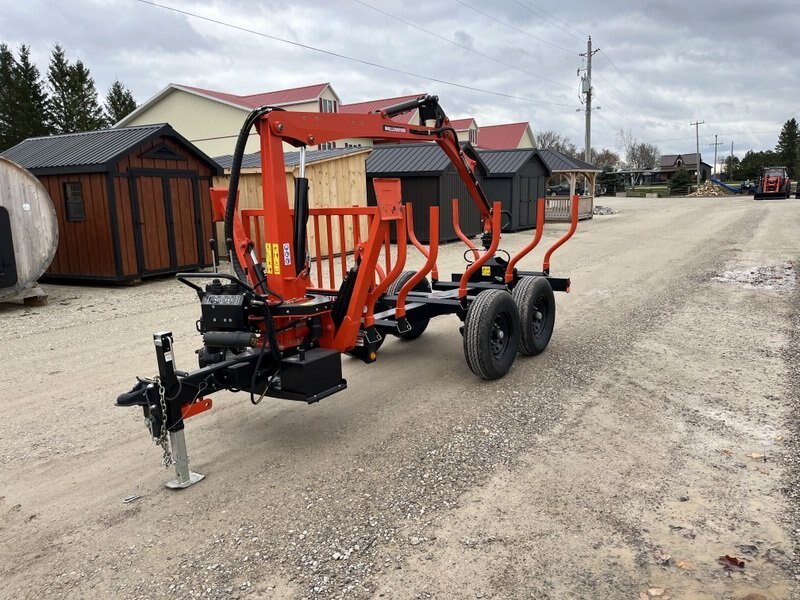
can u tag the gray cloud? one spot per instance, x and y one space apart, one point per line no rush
662 65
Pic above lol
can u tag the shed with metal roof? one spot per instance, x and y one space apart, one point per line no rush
517 178
130 202
428 178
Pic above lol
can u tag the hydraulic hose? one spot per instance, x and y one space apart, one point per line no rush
233 185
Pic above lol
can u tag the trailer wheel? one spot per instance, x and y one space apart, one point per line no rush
417 327
537 313
491 334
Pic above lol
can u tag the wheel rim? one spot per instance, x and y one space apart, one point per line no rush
539 317
501 335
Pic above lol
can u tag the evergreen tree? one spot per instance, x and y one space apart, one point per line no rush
788 147
754 162
73 104
62 105
89 114
680 182
30 110
23 101
6 96
119 102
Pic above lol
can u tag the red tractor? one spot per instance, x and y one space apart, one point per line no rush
310 284
774 183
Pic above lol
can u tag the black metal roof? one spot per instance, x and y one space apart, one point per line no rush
290 159
414 159
560 163
90 151
508 162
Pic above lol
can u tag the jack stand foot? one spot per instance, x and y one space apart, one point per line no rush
176 484
185 477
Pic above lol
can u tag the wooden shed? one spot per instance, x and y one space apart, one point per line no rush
336 179
428 178
517 178
130 202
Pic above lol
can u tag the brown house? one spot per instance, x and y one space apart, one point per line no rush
130 202
669 164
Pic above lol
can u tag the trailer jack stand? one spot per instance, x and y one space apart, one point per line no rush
185 477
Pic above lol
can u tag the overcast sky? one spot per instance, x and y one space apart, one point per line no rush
661 65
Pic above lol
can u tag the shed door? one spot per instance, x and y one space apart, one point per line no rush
528 194
170 229
155 238
185 221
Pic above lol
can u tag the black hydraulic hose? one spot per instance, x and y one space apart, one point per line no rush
300 221
233 185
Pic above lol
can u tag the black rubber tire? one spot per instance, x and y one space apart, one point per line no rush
417 327
537 313
489 353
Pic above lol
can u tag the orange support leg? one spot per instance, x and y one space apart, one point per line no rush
540 206
573 226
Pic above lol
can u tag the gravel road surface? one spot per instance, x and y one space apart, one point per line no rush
658 433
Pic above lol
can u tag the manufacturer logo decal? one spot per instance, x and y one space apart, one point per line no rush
394 128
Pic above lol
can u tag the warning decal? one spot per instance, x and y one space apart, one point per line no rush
276 259
287 255
268 257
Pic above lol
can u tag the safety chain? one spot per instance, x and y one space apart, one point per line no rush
162 438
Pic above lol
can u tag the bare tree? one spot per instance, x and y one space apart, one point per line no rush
639 155
602 158
551 140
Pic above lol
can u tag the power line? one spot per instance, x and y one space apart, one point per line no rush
543 16
517 29
613 64
462 46
583 33
351 58
615 88
609 121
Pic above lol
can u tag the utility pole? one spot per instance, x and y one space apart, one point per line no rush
715 144
730 169
586 90
697 136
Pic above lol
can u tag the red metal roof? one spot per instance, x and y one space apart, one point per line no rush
373 105
461 124
500 137
289 96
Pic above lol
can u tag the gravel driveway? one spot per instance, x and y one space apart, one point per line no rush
658 433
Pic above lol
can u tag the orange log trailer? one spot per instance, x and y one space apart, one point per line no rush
280 323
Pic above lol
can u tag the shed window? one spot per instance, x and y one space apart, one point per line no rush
473 136
73 201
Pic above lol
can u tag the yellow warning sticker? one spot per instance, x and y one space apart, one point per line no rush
486 271
276 259
268 257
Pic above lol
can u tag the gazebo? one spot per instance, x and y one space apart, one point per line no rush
557 208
